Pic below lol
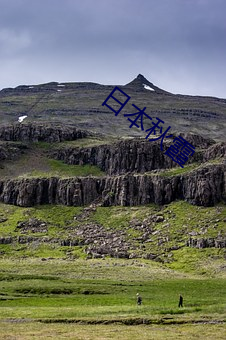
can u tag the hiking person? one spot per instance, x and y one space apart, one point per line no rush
180 301
139 299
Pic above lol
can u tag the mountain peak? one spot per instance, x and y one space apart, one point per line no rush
140 83
141 77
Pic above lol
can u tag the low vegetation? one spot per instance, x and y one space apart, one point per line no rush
60 169
58 292
35 162
111 332
179 221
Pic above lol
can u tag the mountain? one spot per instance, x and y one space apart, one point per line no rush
140 83
80 104
91 212
125 196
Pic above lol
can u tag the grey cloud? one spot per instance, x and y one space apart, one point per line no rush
178 44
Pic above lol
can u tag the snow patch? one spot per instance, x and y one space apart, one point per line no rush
21 118
148 87
31 87
59 90
61 85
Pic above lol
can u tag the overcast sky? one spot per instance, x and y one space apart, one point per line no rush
179 45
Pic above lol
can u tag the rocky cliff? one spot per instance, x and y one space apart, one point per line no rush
138 156
205 186
125 163
118 158
37 132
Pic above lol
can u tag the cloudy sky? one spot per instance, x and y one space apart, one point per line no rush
179 45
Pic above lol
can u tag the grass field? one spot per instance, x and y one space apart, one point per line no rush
46 293
31 330
96 299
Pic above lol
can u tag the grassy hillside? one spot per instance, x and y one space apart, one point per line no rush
35 162
167 242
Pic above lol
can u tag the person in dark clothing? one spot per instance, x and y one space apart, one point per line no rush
139 299
180 301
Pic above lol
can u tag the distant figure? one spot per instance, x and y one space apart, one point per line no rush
180 301
139 299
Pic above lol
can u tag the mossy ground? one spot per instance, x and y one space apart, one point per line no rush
168 240
60 169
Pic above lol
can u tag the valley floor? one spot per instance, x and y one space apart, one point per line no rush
52 288
96 299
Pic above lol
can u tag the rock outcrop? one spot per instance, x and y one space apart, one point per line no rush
135 155
118 158
201 243
205 186
215 151
34 133
11 151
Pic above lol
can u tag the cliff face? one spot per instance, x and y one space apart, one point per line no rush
10 151
35 133
119 158
135 155
202 187
214 151
125 163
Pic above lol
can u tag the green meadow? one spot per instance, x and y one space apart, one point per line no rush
97 299
52 291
